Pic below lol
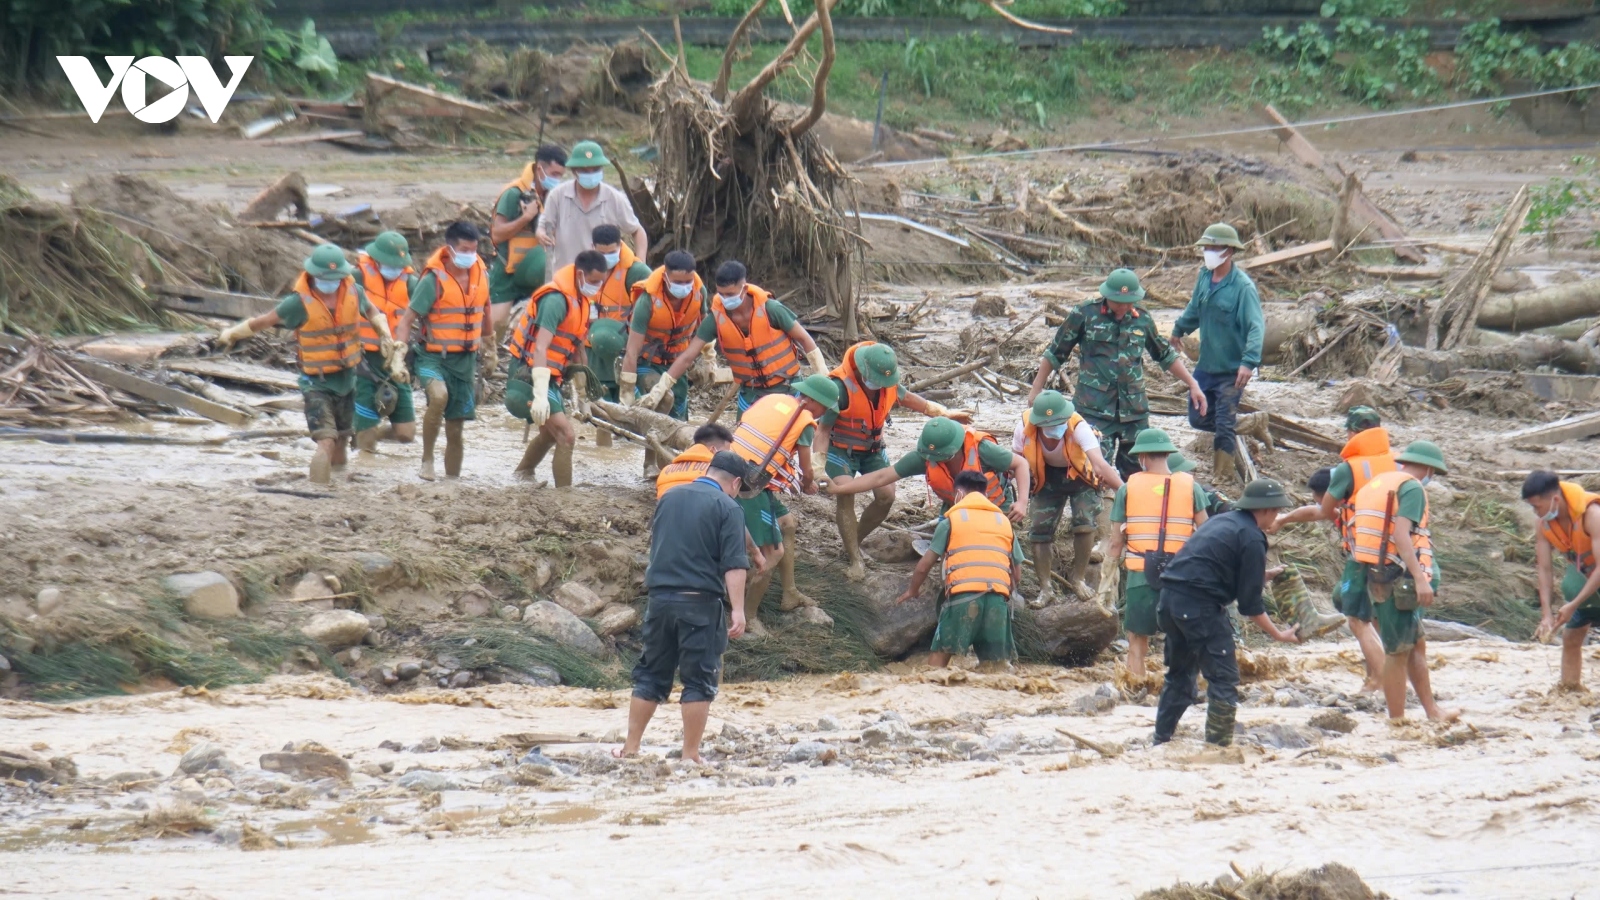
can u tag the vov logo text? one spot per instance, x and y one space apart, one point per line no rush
180 75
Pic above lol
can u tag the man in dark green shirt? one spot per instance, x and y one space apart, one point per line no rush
516 222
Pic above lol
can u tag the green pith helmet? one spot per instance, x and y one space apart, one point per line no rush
1122 286
821 389
1051 408
1177 462
1424 453
607 337
1152 440
389 248
587 155
1263 493
1220 235
941 439
327 261
878 362
1360 418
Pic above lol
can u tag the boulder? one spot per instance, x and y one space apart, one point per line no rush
379 571
311 586
579 600
307 764
475 603
1439 630
538 573
1072 633
337 628
890 546
48 600
426 781
205 595
25 765
895 628
561 626
616 619
204 758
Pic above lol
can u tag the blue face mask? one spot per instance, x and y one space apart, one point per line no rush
1054 432
548 183
1426 480
679 291
613 258
463 260
390 273
1552 515
326 285
590 180
734 302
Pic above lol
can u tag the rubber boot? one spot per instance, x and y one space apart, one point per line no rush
1224 469
1219 722
533 455
438 395
1043 562
1290 591
321 467
652 464
792 598
1078 573
562 466
453 448
844 515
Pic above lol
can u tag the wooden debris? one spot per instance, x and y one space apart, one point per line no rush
160 393
1461 304
288 192
266 125
1085 743
1286 254
1405 273
312 137
237 370
950 374
205 301
1542 308
1568 429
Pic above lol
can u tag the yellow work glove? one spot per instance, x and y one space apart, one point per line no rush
397 364
539 408
627 385
935 410
659 392
819 364
236 333
819 471
488 357
580 390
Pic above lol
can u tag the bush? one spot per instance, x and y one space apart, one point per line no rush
1488 59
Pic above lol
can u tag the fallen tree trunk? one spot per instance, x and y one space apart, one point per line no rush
1542 308
672 433
1526 352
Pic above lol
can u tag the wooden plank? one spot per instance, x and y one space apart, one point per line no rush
237 370
160 393
1286 254
135 349
1568 429
1404 273
435 102
312 137
211 302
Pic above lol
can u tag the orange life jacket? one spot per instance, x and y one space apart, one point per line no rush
764 358
1575 542
391 299
1368 454
614 301
942 479
527 240
329 341
455 323
671 328
978 557
860 424
1147 492
569 334
1371 505
761 427
684 468
1078 465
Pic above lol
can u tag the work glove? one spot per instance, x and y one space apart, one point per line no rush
627 387
580 388
235 333
488 357
659 392
939 409
819 364
819 471
539 407
397 367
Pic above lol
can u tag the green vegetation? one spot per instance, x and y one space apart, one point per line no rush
486 645
1360 60
1490 61
788 650
1561 198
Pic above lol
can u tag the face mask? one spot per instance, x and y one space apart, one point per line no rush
1214 258
613 258
548 183
734 302
1426 480
590 180
1552 515
679 291
588 290
463 260
1054 432
326 285
390 273
870 383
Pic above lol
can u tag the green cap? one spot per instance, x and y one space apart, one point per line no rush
1360 418
1177 462
821 389
1220 235
1051 408
1263 493
587 155
1122 286
877 363
1424 453
1152 440
941 439
389 248
327 261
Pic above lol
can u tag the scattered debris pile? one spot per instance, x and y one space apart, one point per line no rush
40 388
1330 882
559 86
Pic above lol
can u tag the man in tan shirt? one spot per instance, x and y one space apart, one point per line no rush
573 209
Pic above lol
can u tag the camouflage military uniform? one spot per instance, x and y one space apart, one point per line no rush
1110 390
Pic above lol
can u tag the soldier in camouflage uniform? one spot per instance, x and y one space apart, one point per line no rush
1112 334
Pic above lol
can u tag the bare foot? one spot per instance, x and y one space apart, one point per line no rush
754 628
793 600
625 753
427 470
1369 686
857 571
1445 715
321 469
694 759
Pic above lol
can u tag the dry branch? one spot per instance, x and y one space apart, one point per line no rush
819 81
1462 303
719 88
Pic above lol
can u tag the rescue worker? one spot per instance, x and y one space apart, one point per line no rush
1390 529
1067 466
573 209
850 441
1112 336
709 440
451 302
760 338
787 422
1224 561
1569 523
1226 310
1136 518
546 343
1366 454
386 278
519 264
945 449
610 311
325 309
982 569
667 309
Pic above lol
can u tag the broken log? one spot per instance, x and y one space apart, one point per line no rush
1286 254
203 301
287 192
1569 429
1528 310
237 370
1463 302
950 374
313 137
1519 354
160 393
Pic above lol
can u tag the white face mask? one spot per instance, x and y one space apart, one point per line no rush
590 180
587 289
390 273
1055 432
871 383
679 291
1214 258
326 285
463 260
733 302
613 258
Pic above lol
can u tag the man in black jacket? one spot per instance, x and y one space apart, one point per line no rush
1225 560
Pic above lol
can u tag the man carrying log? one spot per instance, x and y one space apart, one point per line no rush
609 313
574 209
1226 310
1569 523
945 449
387 278
451 301
1112 336
667 309
519 264
761 339
850 441
325 310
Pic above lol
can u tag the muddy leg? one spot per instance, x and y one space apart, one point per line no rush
1078 574
1393 679
758 589
1043 564
639 713
1572 641
453 447
1371 651
404 433
844 515
876 512
438 396
1138 649
694 725
1417 670
792 598
367 440
322 461
533 455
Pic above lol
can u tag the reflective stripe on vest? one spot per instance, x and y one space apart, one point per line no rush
392 298
1145 495
1370 506
1368 454
330 340
613 301
671 328
684 468
568 336
1575 542
978 557
942 480
764 358
455 323
759 428
1078 466
859 427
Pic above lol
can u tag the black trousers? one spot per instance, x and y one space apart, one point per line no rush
1199 640
686 634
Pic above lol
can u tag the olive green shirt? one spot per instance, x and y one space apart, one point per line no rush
778 314
991 455
291 312
502 287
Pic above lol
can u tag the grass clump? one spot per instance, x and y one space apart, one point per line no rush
796 649
487 645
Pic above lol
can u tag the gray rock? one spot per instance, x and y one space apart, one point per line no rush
464 679
1437 630
25 765
5 664
307 765
578 599
205 595
475 603
510 612
379 570
1095 704
426 745
1006 741
337 628
1280 736
806 751
1073 632
894 628
1287 697
407 670
426 781
616 619
813 616
965 746
827 723
561 626
377 622
887 732
532 675
890 547
538 574
48 600
313 587
204 758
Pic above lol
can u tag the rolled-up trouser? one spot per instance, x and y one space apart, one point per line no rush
684 633
1197 642
1222 408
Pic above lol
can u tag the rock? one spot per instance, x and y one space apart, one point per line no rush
1334 720
811 615
426 745
218 784
540 775
312 586
1280 736
1006 741
538 574
532 674
407 670
475 602
807 751
25 765
510 612
307 764
461 680
205 595
1438 630
337 628
1287 697
616 619
204 758
827 723
579 600
379 571
1439 495
990 305
561 626
890 547
426 781
5 664
894 628
48 600
1073 632
1094 704
889 731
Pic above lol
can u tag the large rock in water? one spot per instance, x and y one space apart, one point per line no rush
337 629
1074 632
563 627
895 628
205 595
